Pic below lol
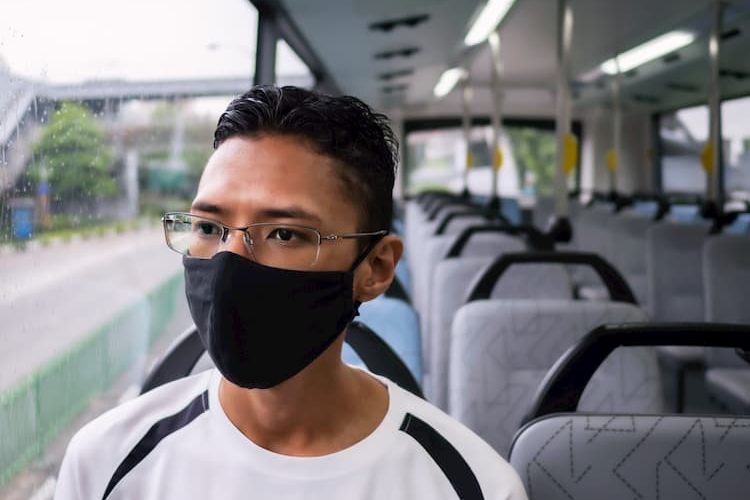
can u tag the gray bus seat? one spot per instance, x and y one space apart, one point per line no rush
675 290
453 277
626 457
502 349
622 456
628 252
481 245
485 240
726 275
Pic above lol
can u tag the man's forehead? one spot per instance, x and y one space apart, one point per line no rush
272 171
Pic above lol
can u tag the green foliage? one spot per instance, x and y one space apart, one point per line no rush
74 152
535 151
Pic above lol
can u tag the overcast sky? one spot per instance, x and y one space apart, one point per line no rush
78 40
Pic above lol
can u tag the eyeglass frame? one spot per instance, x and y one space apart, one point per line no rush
377 235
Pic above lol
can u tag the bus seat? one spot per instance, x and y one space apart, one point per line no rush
726 274
480 245
501 350
404 276
397 324
629 251
592 233
674 263
453 277
562 454
675 290
622 457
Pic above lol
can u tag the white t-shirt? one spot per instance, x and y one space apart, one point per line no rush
176 442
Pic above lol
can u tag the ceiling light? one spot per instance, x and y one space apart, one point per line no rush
448 80
653 49
492 14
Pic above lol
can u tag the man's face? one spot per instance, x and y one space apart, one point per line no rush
278 179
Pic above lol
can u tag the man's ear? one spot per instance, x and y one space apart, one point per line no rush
378 270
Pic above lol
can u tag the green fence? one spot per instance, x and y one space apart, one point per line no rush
36 410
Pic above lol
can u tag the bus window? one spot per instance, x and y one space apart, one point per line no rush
736 133
290 68
683 135
437 159
106 120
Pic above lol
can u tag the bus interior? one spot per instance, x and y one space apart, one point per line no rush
573 194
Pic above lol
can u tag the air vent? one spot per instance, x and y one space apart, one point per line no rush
646 99
683 87
673 57
392 89
407 22
737 75
727 35
390 75
390 54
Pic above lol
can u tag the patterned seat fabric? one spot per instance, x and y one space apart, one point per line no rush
675 281
726 274
451 283
629 251
626 457
481 245
501 349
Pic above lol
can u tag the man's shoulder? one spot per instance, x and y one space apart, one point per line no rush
443 436
117 430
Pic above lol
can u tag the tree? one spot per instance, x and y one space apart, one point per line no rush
73 154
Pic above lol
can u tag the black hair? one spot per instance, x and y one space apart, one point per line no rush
344 128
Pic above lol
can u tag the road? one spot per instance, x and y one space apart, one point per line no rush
51 297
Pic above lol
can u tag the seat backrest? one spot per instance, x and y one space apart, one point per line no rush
726 276
622 457
561 454
629 251
481 245
397 324
592 230
452 279
501 349
674 268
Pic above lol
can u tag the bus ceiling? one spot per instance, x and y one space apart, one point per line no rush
392 53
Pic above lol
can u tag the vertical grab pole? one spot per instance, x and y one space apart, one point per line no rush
496 93
466 120
712 155
560 227
613 161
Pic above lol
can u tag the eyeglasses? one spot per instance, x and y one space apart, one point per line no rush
286 246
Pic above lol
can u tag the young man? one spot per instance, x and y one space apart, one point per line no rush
287 235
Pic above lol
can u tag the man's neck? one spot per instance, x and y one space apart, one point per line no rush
325 408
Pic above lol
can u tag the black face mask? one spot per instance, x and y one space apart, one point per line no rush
262 325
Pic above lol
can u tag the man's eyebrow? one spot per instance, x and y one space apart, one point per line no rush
264 214
293 212
210 208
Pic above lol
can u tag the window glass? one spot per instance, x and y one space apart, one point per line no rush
736 135
683 136
290 69
437 159
107 110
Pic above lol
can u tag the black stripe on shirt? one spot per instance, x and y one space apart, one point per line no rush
153 437
445 456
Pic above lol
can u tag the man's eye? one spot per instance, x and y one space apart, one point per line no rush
282 234
206 229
